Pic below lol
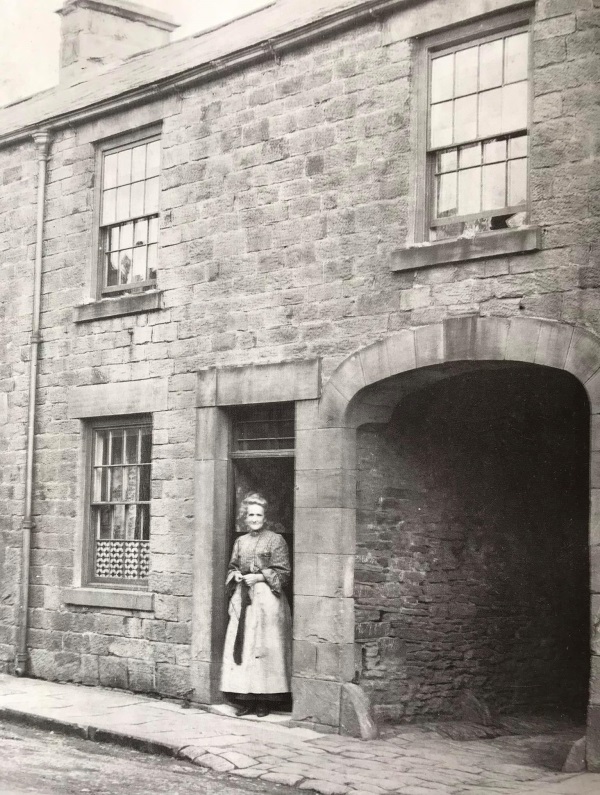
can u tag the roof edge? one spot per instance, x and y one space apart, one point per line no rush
372 11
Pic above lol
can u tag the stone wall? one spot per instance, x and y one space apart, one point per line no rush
472 562
285 191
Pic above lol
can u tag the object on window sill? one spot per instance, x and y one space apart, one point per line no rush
468 246
129 303
476 226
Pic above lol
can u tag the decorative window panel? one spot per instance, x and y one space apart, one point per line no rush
478 131
129 215
120 502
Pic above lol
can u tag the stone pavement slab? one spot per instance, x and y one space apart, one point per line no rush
409 761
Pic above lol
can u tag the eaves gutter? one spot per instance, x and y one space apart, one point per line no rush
269 49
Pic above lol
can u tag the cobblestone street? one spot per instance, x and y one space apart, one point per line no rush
404 760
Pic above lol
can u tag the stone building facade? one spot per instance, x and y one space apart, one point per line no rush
344 252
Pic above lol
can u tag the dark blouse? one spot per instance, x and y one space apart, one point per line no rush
267 553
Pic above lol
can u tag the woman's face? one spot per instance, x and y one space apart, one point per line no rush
255 517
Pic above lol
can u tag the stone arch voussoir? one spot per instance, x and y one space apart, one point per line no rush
533 340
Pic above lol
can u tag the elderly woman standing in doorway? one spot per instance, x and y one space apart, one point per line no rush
257 653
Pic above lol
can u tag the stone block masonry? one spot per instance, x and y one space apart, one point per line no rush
286 188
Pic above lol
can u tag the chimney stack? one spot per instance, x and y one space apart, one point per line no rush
100 33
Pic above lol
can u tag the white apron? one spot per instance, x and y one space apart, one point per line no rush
266 656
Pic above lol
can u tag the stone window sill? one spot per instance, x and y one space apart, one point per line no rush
104 597
130 304
501 243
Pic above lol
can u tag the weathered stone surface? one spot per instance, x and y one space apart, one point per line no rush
285 191
316 701
575 761
355 713
102 400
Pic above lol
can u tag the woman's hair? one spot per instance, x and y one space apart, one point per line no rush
252 498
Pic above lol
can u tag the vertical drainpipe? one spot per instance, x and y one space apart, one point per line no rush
42 145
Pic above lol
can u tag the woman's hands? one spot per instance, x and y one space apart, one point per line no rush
252 579
249 579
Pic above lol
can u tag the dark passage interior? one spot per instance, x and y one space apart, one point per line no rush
472 559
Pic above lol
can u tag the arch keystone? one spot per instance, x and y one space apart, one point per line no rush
491 337
523 339
429 345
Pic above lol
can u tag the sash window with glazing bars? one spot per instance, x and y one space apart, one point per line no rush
120 502
130 189
478 134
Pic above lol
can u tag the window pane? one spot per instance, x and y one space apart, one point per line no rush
104 488
446 161
494 187
517 182
514 106
124 167
490 64
152 258
104 527
112 270
516 58
109 204
116 450
100 448
151 204
97 488
494 151
441 124
465 118
130 522
143 522
125 263
113 239
490 113
138 165
131 483
470 156
144 493
146 449
119 521
123 203
126 236
517 147
466 72
110 172
446 195
153 159
139 264
137 199
116 484
469 191
153 230
131 445
140 236
442 78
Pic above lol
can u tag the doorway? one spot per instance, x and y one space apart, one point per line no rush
263 460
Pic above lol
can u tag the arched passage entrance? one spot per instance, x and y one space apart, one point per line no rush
471 577
326 477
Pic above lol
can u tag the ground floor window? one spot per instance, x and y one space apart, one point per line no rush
119 505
